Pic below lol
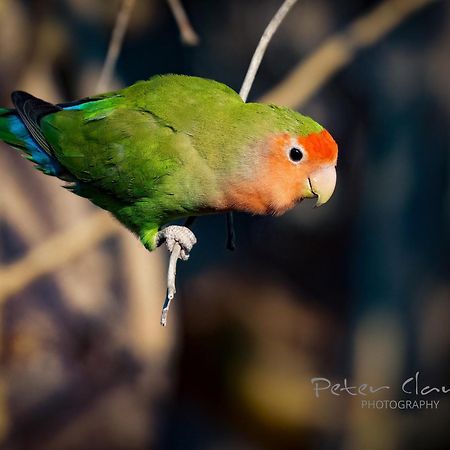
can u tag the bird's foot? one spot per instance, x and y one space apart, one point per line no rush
179 241
176 234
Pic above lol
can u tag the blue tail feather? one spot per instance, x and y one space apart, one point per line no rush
14 133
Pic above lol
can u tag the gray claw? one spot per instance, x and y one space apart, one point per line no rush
176 234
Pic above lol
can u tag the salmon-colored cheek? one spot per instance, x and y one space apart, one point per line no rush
285 178
321 147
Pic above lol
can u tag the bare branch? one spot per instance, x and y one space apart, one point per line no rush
339 50
187 33
262 46
115 45
171 276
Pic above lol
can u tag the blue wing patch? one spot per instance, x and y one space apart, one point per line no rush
25 142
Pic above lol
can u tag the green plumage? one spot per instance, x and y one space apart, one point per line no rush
158 150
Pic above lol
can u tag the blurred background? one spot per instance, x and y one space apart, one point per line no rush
358 289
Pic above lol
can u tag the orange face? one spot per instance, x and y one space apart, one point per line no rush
292 168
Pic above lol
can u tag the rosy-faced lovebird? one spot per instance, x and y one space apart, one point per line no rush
175 146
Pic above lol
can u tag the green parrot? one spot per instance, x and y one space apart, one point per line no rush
175 146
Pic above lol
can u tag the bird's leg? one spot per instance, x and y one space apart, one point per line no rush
179 241
189 221
231 236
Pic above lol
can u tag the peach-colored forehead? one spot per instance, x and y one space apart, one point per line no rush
320 146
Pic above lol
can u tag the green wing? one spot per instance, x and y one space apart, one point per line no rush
132 152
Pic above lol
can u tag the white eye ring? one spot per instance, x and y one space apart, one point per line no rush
295 152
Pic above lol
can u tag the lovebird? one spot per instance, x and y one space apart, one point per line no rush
175 146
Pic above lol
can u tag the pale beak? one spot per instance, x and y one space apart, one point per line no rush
322 183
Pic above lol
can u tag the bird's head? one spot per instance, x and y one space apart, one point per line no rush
295 162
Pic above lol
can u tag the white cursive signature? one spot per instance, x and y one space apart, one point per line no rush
411 386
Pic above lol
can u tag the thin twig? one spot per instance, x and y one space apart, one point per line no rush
115 45
72 244
171 277
339 50
187 33
262 46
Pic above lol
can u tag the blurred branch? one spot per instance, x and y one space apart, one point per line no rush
56 251
115 45
187 32
262 46
301 84
339 50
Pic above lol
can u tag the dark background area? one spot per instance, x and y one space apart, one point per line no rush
358 289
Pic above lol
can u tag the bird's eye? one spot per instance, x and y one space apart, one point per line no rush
295 154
